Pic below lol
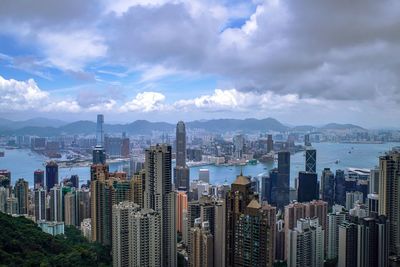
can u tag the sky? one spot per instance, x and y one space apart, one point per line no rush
301 62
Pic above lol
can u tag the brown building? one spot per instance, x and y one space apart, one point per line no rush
202 250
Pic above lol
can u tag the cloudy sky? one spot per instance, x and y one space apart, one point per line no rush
302 62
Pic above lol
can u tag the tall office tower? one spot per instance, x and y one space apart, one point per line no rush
5 178
202 250
238 146
74 181
237 200
270 143
328 186
70 210
100 200
204 175
374 181
255 185
311 160
335 218
347 244
3 199
38 179
340 188
160 197
99 155
56 204
125 150
372 242
308 186
181 171
145 239
268 187
306 244
307 140
182 206
21 193
389 197
40 204
51 175
373 205
138 182
120 232
283 181
352 198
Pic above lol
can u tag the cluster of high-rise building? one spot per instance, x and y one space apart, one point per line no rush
157 216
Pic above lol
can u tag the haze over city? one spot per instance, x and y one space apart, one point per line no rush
161 60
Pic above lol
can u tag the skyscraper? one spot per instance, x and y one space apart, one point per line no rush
40 204
120 232
56 204
389 197
70 209
308 187
347 244
335 218
311 160
51 175
270 143
160 197
306 244
283 181
21 193
328 186
99 155
340 188
181 171
237 200
202 245
181 208
38 179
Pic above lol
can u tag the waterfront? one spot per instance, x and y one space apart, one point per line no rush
22 163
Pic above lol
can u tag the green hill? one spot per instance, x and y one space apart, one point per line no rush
22 243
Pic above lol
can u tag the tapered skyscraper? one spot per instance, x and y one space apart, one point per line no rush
181 171
99 155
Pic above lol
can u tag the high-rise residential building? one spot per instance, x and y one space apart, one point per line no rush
182 205
120 232
270 143
311 160
4 193
40 204
38 179
145 239
202 245
340 188
280 240
219 234
12 205
160 197
374 181
237 200
70 208
335 218
389 197
306 244
138 183
21 193
181 171
125 149
56 204
328 186
51 175
283 181
307 186
99 155
347 256
83 205
352 198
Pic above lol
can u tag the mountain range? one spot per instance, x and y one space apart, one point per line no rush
51 127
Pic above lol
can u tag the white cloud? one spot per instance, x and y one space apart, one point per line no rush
145 102
70 106
20 95
72 50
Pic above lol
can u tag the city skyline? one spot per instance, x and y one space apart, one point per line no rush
201 60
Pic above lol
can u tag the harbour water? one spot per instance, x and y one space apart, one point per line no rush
22 163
